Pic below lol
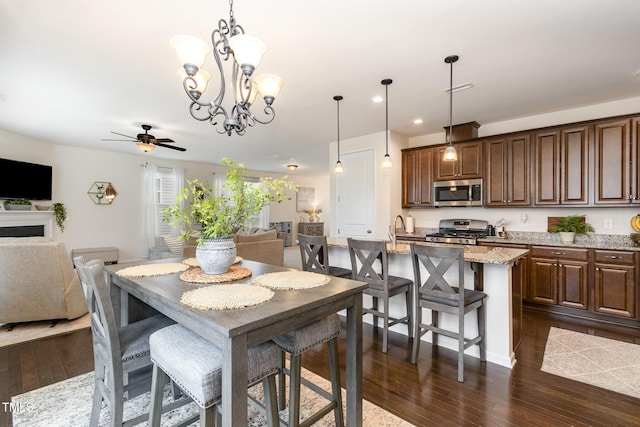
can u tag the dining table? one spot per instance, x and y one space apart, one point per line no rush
235 330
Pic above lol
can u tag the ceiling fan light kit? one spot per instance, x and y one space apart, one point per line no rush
245 52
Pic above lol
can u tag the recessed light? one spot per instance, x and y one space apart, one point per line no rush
292 167
418 121
377 99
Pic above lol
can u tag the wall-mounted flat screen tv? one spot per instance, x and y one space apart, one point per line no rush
22 180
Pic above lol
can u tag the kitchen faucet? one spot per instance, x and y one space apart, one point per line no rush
392 229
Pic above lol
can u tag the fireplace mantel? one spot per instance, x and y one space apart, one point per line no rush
25 218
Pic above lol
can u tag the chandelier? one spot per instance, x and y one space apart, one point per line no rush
245 52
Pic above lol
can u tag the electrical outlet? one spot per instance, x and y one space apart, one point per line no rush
608 224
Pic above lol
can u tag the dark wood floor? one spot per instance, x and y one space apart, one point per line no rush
426 394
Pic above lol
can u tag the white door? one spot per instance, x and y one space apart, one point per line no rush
355 195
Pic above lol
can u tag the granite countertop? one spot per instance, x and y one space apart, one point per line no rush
588 241
479 254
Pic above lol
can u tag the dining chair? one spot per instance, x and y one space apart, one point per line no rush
370 264
195 365
120 354
440 296
295 343
314 253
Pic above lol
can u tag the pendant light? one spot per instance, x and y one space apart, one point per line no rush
450 153
386 163
338 168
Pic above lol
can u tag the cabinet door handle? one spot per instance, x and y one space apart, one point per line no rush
597 268
613 257
557 253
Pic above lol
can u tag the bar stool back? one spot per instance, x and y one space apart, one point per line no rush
370 264
314 254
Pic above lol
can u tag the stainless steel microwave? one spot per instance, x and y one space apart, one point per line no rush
461 192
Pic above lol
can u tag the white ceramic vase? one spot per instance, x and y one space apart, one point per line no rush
567 236
215 256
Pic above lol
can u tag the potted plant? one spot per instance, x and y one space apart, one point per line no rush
60 213
217 215
17 205
571 225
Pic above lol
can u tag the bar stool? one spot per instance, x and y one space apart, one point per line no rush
117 352
295 343
437 294
195 365
314 254
370 264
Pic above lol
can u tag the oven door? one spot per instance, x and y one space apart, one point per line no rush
467 192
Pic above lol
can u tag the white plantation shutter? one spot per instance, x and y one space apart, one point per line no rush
166 191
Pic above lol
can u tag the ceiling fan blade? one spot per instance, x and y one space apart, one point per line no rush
164 140
173 147
125 140
121 134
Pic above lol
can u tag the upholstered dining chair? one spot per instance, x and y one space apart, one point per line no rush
370 264
314 254
195 365
117 352
434 291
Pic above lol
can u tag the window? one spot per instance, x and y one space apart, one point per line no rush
165 190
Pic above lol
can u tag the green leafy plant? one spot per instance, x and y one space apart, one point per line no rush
17 202
60 213
222 213
572 224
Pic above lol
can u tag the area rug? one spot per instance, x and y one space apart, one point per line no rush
598 361
29 331
68 403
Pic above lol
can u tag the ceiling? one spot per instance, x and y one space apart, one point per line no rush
72 71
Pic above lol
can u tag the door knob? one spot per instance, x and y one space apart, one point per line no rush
368 231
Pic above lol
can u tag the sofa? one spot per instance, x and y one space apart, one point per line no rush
262 246
37 281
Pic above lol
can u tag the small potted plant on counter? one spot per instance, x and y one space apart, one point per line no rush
571 225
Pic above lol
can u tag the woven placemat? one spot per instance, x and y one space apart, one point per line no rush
292 280
193 262
150 270
226 297
196 275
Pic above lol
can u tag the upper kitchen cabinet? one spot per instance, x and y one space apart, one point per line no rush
507 175
561 166
615 164
468 165
417 178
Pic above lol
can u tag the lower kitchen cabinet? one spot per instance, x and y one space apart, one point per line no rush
615 278
559 276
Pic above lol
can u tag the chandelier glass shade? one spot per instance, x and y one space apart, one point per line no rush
244 53
338 169
386 163
450 153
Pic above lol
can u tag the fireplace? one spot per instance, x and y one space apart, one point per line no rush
26 223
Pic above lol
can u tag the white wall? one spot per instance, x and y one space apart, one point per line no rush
121 223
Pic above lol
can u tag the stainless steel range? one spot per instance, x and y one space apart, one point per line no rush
459 231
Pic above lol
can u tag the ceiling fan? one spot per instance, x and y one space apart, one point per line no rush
147 142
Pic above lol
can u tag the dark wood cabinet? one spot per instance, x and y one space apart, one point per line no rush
615 278
561 166
468 165
635 156
613 162
559 276
417 178
507 173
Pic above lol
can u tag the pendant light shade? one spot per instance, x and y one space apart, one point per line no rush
338 169
386 163
450 153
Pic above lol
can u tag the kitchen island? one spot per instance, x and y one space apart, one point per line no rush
495 270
